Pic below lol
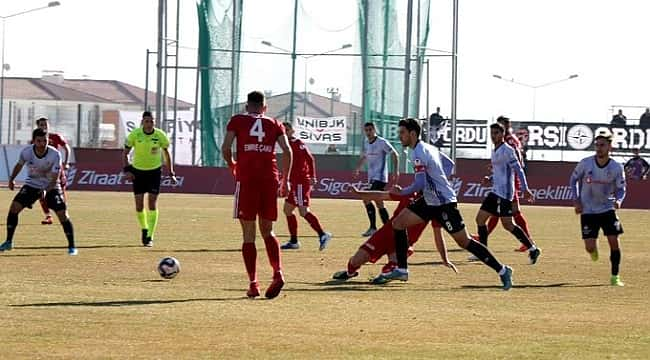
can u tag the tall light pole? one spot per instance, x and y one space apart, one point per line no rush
2 60
306 58
534 87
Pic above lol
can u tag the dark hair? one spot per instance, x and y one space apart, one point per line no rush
256 97
411 124
503 119
287 125
369 124
42 118
38 132
147 114
606 137
498 126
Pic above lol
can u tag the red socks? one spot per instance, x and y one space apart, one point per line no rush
493 221
523 224
250 258
293 225
313 222
273 252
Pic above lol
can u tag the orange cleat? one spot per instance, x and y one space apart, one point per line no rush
275 287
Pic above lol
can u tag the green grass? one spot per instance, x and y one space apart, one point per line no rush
109 302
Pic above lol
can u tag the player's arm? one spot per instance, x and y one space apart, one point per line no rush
14 173
447 164
619 193
371 195
66 157
574 184
311 163
362 159
287 159
169 163
515 165
226 150
441 246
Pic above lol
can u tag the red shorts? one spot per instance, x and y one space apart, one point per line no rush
383 242
300 194
254 199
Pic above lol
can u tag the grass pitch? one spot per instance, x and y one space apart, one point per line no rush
109 302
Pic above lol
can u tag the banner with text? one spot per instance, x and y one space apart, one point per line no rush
183 125
332 130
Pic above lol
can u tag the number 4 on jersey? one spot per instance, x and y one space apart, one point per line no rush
257 130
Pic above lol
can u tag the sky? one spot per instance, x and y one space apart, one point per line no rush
529 41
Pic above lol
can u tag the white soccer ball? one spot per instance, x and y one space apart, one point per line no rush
169 267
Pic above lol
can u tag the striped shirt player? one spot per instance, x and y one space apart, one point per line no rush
498 203
303 176
58 142
438 201
43 164
598 185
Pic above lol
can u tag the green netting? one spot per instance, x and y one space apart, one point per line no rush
217 44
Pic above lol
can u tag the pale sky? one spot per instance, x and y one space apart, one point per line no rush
530 41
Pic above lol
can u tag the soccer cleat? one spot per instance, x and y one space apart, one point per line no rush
145 235
396 274
594 255
6 246
522 248
290 246
275 287
148 242
534 255
615 280
253 290
473 258
72 251
380 279
324 240
389 267
47 220
506 279
369 232
344 275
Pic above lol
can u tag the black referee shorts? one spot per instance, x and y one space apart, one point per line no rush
146 181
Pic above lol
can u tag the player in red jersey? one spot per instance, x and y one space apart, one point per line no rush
519 218
303 176
58 142
382 242
257 184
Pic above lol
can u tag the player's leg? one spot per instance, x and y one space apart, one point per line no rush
323 236
383 212
489 209
25 198
139 189
514 229
268 213
612 228
450 219
590 227
153 190
492 223
292 223
372 218
249 253
56 202
520 220
415 213
354 264
46 211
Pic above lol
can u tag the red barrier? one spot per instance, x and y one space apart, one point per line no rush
548 181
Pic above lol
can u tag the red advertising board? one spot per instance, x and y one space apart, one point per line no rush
548 181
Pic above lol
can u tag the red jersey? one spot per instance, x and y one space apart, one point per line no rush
256 136
302 167
56 140
513 141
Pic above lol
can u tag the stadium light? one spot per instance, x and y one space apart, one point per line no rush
534 87
4 66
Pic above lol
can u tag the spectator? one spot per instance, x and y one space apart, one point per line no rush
619 119
644 120
331 149
637 168
437 125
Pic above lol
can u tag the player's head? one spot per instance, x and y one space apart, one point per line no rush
369 130
505 121
42 123
148 122
39 139
256 102
603 145
635 151
288 128
409 132
497 133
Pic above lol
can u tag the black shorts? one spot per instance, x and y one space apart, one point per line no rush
446 215
28 195
497 205
377 185
146 181
592 223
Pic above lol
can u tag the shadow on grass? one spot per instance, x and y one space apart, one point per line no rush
78 247
119 303
197 250
523 286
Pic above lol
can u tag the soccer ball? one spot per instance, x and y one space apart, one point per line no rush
169 267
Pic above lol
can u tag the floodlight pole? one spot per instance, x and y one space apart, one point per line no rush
293 61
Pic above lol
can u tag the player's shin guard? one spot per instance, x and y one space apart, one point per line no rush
249 252
383 214
401 248
69 232
521 236
152 222
483 254
372 217
292 223
12 223
523 224
273 252
615 258
483 232
314 223
492 223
